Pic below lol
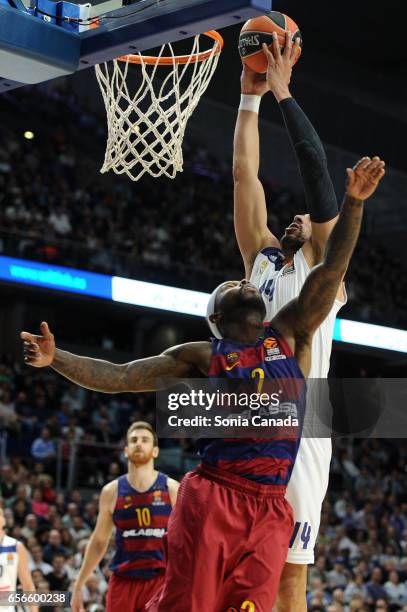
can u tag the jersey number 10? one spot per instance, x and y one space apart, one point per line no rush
144 517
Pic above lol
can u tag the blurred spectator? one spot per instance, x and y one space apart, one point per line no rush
30 526
381 605
39 506
103 432
94 590
337 577
90 514
37 575
396 592
59 221
71 511
338 599
37 561
375 589
48 492
8 415
43 448
8 485
79 529
58 579
355 588
72 431
54 547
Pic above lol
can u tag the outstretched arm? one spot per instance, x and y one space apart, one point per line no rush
250 209
98 375
319 191
301 317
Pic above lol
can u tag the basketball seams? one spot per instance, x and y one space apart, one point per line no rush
260 24
291 25
279 19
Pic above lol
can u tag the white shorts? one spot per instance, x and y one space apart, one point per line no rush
306 492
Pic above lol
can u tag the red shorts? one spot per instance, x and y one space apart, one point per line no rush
131 594
226 545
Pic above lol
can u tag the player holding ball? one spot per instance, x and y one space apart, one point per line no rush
279 268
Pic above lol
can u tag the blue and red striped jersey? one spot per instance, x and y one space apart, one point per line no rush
141 521
266 461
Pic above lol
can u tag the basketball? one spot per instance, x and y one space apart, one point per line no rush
259 30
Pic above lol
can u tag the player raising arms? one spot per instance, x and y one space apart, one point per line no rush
279 268
138 504
229 532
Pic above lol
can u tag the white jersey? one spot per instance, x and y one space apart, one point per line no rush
279 283
8 567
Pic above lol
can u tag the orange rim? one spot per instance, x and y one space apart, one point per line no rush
168 60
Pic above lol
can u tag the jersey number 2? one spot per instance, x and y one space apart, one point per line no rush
259 372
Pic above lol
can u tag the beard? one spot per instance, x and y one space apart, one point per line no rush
243 306
291 243
139 458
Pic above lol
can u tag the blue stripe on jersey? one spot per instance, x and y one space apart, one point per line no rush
281 449
8 549
265 479
151 554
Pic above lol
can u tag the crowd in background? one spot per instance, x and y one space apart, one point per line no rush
56 207
361 556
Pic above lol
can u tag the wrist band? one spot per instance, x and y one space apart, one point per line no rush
250 103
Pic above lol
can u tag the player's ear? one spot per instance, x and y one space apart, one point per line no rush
216 317
156 452
126 452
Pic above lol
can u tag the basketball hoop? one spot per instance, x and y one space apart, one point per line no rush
146 128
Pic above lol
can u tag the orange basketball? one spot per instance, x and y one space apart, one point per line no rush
259 30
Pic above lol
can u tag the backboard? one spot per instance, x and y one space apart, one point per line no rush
36 48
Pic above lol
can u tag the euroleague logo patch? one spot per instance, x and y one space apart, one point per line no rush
270 343
158 499
272 349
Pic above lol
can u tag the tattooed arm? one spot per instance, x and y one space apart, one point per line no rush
98 375
301 317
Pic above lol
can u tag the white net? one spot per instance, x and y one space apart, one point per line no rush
146 128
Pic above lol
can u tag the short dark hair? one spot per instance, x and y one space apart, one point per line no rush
142 425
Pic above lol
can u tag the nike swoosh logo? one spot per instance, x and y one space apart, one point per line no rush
228 368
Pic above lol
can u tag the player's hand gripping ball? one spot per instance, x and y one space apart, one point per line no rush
259 30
